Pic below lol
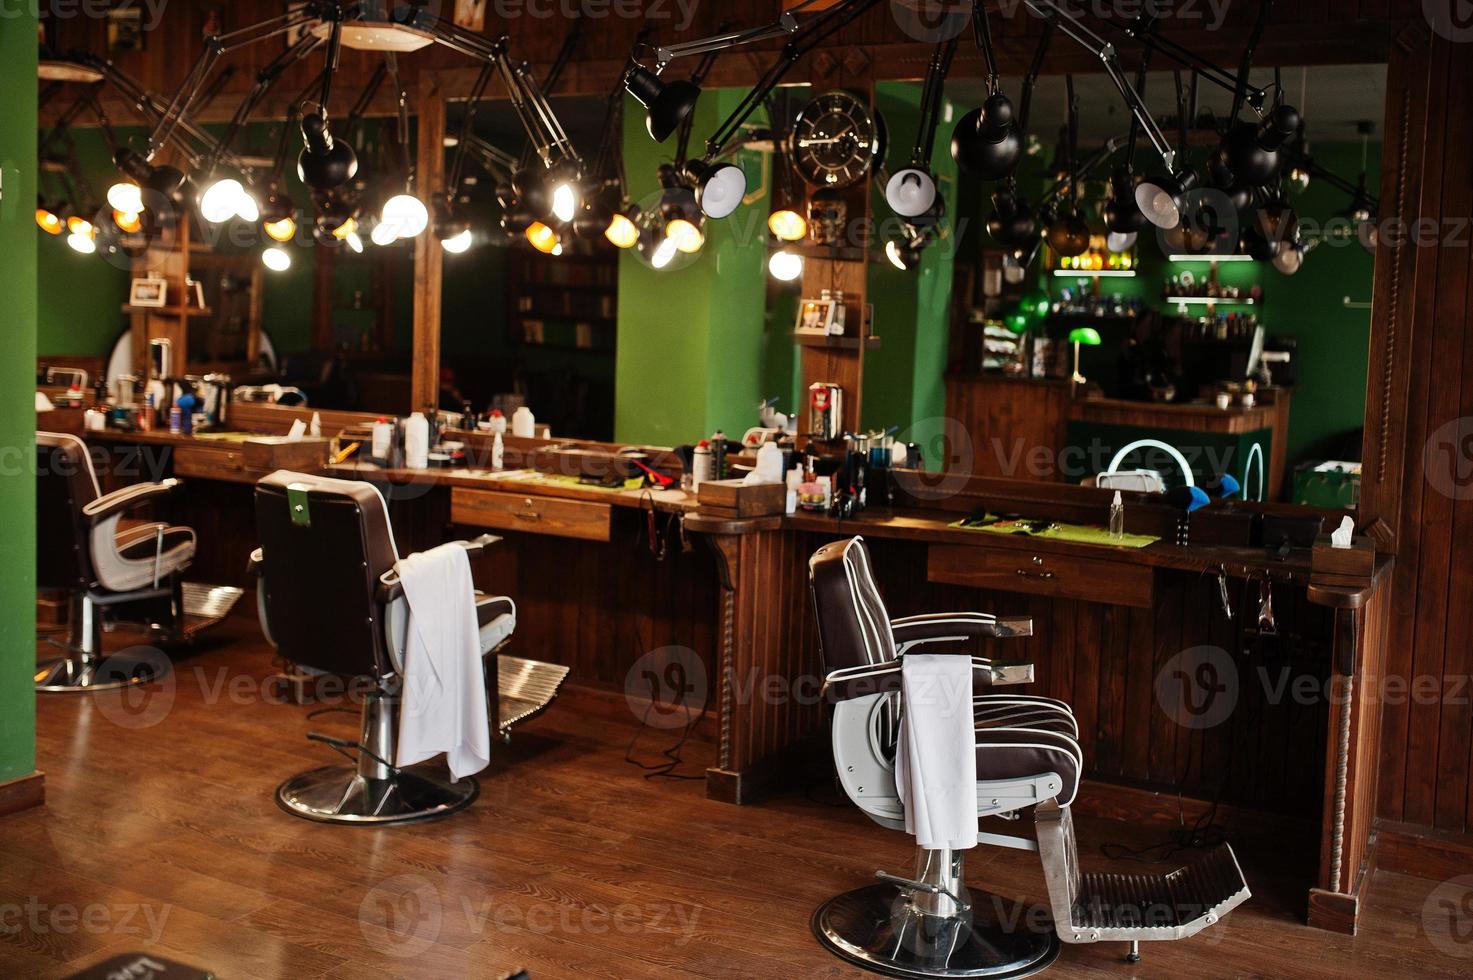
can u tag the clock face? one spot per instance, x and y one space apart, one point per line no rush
834 140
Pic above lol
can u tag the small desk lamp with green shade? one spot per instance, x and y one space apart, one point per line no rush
1080 336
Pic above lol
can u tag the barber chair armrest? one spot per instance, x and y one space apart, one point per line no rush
390 588
126 498
256 563
943 627
884 678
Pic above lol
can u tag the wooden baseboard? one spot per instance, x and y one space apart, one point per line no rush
23 793
1424 852
1338 911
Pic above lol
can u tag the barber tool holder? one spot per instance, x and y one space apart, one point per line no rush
1352 567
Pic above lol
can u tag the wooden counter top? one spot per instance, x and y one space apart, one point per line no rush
1198 417
504 481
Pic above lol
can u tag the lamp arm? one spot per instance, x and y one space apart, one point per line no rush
697 78
920 154
982 34
401 128
1105 51
723 39
564 55
496 161
1031 79
1190 59
152 110
1084 169
828 22
266 79
467 129
1240 90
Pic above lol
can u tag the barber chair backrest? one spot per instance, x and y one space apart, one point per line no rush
324 544
65 484
853 625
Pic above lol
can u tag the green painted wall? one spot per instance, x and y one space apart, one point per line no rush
690 356
82 311
17 407
904 382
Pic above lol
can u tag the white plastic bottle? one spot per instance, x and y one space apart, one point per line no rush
417 442
702 466
383 436
497 423
498 458
523 423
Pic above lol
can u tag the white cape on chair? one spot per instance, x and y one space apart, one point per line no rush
444 702
936 755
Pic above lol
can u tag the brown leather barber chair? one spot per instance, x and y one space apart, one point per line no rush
330 601
1027 755
83 550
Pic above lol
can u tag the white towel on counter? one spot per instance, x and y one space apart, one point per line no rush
936 755
444 703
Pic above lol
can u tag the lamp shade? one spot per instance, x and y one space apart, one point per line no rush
1161 199
324 162
1088 336
1068 235
986 142
910 192
667 105
720 189
1011 222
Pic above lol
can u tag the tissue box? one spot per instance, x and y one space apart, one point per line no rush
733 498
1356 562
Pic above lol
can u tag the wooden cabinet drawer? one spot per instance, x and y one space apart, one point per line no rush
210 463
1040 573
530 512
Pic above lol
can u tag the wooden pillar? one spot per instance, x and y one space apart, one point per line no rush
429 176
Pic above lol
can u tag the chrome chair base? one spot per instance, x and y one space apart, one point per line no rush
878 928
339 794
108 673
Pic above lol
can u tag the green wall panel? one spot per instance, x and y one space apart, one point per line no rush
18 234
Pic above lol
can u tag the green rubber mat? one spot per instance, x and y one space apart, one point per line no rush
1075 533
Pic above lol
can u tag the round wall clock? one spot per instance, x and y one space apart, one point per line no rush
834 141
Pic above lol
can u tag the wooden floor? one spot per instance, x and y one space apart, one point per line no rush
160 834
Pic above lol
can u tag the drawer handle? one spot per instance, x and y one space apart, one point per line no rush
526 515
1025 573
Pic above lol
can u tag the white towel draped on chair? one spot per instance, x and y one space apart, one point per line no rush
936 755
444 702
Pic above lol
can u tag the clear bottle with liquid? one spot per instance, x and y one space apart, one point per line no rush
1117 518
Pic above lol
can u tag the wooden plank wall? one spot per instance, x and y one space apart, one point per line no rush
1425 500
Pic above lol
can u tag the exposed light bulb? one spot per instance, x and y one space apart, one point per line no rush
622 232
128 221
543 238
49 222
78 225
457 243
686 235
246 207
664 252
892 252
276 259
221 200
125 196
81 243
787 225
1120 241
354 242
383 234
557 249
785 266
281 231
407 214
564 202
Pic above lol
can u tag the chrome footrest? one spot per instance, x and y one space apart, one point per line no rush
525 688
1091 907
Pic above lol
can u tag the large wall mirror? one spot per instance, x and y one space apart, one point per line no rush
1235 346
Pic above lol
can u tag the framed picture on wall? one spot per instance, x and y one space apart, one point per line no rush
814 317
125 29
470 14
148 291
